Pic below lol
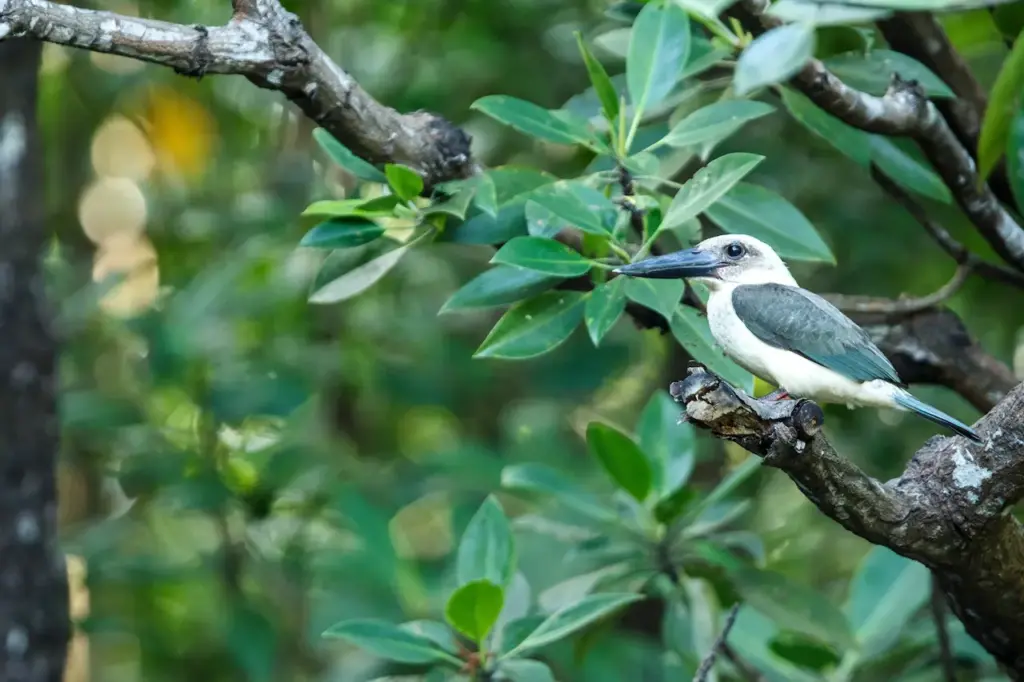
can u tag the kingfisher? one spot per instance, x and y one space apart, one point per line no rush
788 336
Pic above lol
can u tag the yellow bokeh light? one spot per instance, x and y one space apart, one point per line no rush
112 207
134 257
181 130
121 150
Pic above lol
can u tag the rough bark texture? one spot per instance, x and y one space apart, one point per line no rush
34 625
946 510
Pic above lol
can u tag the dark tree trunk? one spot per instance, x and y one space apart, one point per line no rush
34 624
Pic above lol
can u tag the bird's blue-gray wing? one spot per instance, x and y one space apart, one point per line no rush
797 320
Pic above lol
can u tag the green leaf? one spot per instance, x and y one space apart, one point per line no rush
752 636
1002 105
671 446
340 233
872 72
500 285
1015 157
759 212
377 207
486 197
360 279
534 120
526 670
774 56
456 205
707 186
602 83
538 478
692 332
852 142
885 593
660 295
825 14
486 551
570 619
621 458
659 46
473 608
342 156
913 175
715 122
566 200
604 308
534 327
482 228
541 222
405 182
435 631
390 641
543 255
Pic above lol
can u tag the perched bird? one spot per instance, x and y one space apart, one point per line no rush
786 335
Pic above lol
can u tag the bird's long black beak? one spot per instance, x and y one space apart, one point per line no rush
678 265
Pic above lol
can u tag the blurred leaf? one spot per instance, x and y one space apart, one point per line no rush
600 80
486 551
525 670
565 201
481 228
659 46
486 196
885 593
439 633
604 307
666 442
728 485
342 156
534 120
341 233
692 332
660 295
537 478
1003 104
700 595
913 175
572 590
93 411
500 285
621 458
824 13
715 122
518 599
1015 157
1009 18
405 182
365 276
570 619
872 72
707 186
534 327
543 255
855 143
751 636
391 642
807 653
377 207
542 222
473 608
757 211
518 630
703 55
774 57
458 204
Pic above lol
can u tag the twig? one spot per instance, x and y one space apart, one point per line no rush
938 605
716 648
904 306
747 671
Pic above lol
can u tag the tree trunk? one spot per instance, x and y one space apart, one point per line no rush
34 623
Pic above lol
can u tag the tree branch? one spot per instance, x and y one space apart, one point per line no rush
946 510
268 46
901 307
709 660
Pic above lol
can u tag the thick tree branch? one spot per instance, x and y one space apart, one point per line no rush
946 510
268 46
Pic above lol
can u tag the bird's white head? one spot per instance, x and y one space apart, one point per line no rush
728 260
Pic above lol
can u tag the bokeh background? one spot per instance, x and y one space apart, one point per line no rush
241 469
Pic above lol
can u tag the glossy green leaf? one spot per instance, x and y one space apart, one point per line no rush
360 279
341 233
872 72
852 142
659 46
500 285
390 641
570 619
669 445
542 255
566 200
910 173
486 551
344 157
774 56
604 307
707 186
456 205
534 120
825 13
486 196
512 183
542 222
692 332
715 122
481 228
534 327
599 79
404 181
885 593
377 207
761 213
621 458
660 295
473 608
526 670
1003 103
541 479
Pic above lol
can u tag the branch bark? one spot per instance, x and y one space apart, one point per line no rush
946 510
33 579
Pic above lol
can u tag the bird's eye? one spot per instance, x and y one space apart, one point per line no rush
735 250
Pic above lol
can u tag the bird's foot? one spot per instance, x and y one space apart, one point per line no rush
777 394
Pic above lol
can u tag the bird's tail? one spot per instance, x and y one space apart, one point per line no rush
905 400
